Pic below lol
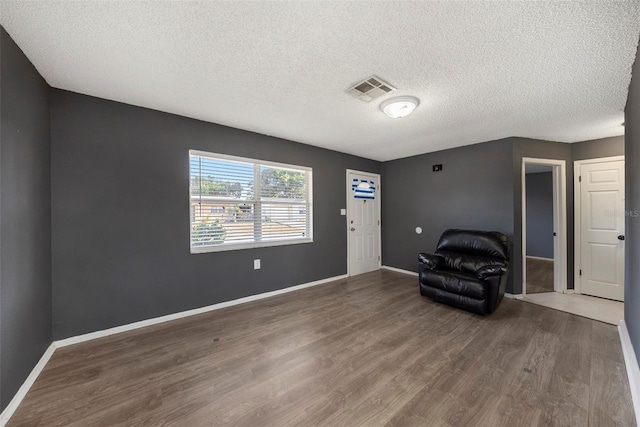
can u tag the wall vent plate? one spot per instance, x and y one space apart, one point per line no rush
370 88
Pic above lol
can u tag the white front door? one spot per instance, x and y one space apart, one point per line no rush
363 222
602 216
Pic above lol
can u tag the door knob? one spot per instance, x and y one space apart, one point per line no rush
353 229
621 237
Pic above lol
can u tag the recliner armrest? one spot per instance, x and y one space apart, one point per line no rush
491 270
432 262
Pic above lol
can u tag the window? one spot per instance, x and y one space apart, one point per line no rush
243 203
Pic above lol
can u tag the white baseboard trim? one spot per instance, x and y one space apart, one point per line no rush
399 270
633 370
22 391
513 296
154 321
540 258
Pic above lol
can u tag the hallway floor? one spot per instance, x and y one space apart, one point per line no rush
540 292
595 308
539 275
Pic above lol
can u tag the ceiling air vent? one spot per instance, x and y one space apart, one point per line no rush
369 89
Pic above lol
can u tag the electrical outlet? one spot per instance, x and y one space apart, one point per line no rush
256 264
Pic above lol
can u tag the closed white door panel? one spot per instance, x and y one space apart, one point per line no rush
602 229
363 221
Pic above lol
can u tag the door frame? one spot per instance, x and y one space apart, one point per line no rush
378 198
558 170
577 238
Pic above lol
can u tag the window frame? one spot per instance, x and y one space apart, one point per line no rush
257 204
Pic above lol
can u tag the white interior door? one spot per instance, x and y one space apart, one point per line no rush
363 221
602 215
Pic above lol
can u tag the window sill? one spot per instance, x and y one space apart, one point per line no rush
253 245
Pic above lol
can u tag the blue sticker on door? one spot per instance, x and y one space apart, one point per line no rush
363 189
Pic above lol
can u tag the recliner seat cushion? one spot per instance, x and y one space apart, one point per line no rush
455 282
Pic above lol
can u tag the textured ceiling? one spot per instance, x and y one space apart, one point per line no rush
482 70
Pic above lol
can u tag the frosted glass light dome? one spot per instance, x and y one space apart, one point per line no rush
400 106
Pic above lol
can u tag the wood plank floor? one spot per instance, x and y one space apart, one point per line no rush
368 350
539 275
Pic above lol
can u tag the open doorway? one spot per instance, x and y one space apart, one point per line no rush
539 255
537 260
544 226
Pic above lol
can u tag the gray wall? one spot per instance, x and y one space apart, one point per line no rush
540 214
632 166
592 149
480 187
115 193
474 190
597 148
120 209
25 218
524 147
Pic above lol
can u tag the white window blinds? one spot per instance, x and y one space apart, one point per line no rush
239 203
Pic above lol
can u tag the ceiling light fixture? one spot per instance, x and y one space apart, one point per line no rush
400 106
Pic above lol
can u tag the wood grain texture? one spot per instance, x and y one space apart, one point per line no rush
539 276
368 350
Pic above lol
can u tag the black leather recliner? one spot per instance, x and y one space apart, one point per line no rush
468 270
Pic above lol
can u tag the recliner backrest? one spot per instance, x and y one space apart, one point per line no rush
478 243
468 263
